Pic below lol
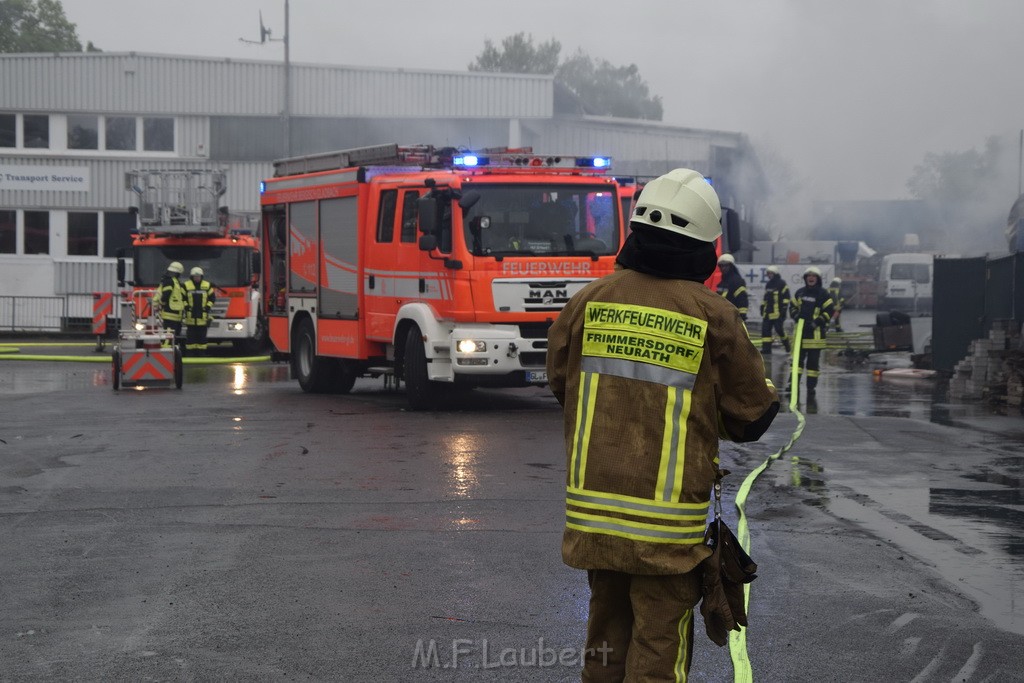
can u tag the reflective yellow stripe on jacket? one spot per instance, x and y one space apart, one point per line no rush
651 345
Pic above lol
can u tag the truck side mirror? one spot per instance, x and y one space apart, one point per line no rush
120 267
426 212
257 262
731 231
428 243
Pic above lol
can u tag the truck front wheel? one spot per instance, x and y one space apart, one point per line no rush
419 390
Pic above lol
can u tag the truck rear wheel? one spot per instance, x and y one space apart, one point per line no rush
344 377
419 390
314 373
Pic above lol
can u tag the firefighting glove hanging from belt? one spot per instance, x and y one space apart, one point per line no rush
724 574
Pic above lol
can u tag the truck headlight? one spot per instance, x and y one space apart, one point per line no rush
235 326
471 346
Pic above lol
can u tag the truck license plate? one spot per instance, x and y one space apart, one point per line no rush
537 376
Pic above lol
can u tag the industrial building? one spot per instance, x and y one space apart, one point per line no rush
72 124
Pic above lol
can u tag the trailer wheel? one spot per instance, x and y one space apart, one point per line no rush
115 369
419 390
179 368
314 373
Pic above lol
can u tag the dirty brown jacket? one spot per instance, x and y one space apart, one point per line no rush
651 372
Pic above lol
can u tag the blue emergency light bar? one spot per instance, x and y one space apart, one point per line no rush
467 160
263 186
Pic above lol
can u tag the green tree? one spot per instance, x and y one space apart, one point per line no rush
583 84
969 193
955 177
36 26
519 56
608 90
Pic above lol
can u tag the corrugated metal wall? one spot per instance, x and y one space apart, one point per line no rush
84 277
971 294
167 84
957 308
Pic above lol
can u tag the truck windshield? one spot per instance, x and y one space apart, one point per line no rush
222 265
513 220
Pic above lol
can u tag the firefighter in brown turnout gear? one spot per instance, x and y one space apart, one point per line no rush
814 306
651 368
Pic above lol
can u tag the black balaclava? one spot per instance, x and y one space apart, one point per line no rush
667 254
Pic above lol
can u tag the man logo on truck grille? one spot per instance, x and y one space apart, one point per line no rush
547 297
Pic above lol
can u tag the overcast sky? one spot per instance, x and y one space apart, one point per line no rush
852 94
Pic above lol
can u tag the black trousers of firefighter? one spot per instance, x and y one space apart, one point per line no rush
195 338
769 326
810 362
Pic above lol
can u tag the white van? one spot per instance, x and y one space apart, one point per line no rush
905 282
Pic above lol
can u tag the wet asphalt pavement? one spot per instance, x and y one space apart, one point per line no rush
239 529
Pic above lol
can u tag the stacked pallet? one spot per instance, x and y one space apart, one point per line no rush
993 368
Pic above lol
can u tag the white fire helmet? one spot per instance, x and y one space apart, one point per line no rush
773 270
196 271
727 259
813 270
681 201
837 281
176 267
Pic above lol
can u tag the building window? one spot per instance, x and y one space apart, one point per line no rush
157 134
83 132
8 122
37 232
120 133
83 234
36 134
8 231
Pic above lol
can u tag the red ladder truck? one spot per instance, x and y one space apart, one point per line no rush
437 266
180 218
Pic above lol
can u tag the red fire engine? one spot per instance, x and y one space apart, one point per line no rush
440 266
181 219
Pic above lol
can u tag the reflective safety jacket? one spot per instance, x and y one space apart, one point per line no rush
172 297
837 299
734 289
815 306
776 299
198 302
651 372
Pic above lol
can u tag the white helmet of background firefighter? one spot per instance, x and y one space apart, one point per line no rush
835 282
176 268
727 260
681 201
813 270
196 271
772 271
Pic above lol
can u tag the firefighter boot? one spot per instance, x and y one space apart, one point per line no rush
812 385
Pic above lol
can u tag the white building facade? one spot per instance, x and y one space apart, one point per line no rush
72 124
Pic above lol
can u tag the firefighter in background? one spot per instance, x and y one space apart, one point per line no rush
814 306
834 288
170 299
732 286
199 298
774 307
642 427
